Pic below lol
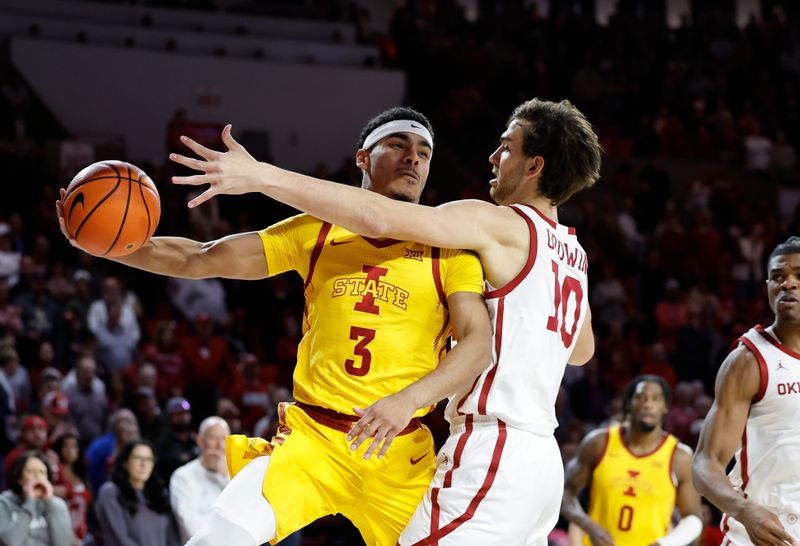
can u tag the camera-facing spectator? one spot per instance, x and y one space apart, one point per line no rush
178 446
73 479
88 403
133 506
30 515
101 453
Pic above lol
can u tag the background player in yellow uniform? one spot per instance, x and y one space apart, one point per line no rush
639 474
377 317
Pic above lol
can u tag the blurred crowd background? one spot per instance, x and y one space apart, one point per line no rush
700 123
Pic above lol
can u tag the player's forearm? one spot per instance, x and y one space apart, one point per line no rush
346 206
172 256
712 483
468 359
572 510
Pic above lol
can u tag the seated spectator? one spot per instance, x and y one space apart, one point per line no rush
101 453
9 257
152 424
10 314
30 515
195 486
55 410
73 478
178 446
17 378
133 507
49 381
88 403
116 343
33 437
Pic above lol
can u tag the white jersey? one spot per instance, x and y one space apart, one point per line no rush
536 319
767 468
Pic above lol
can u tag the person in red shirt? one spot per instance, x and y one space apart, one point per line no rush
207 362
73 478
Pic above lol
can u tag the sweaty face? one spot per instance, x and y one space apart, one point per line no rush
783 287
397 166
509 166
648 406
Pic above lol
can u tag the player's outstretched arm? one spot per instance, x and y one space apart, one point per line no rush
385 418
687 501
737 383
472 225
239 256
577 474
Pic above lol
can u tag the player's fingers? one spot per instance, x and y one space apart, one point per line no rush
387 442
193 180
190 162
360 411
364 434
202 198
359 426
782 537
199 149
228 140
376 441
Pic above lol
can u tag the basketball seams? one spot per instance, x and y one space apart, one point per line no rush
125 214
97 206
84 182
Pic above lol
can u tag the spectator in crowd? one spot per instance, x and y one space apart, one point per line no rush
10 258
40 313
30 514
133 506
166 355
178 446
77 306
101 453
88 403
116 344
152 424
55 411
49 380
195 486
249 391
10 314
17 377
73 478
207 363
98 310
33 437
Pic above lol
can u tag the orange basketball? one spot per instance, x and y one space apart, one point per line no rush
111 208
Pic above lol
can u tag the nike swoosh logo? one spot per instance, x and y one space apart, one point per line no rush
418 459
334 242
416 126
80 198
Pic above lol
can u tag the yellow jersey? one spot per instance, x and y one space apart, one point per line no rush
633 496
376 316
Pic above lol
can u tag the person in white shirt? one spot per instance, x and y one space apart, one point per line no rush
195 486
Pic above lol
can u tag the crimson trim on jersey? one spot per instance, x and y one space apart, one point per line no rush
550 221
462 442
323 234
778 345
464 398
502 291
381 243
763 372
437 275
435 514
498 343
469 513
643 455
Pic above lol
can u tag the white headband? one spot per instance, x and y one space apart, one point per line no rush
398 126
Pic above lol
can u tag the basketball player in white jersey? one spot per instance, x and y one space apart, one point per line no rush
756 419
499 478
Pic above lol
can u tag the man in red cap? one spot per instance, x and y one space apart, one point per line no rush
55 410
33 435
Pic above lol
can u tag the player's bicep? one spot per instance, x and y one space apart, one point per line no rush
584 345
470 317
578 471
737 383
239 256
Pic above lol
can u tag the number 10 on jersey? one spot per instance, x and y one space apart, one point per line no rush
557 322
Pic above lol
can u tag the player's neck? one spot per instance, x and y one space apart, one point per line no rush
788 333
641 442
543 205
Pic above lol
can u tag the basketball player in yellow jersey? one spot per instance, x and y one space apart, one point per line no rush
377 317
639 474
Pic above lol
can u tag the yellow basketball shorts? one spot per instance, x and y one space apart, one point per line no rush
313 473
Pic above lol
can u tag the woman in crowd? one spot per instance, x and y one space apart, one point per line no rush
73 478
133 507
30 515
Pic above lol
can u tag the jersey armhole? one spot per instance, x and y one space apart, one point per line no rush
763 372
603 451
529 263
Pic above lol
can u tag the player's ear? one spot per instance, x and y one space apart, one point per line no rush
362 159
535 165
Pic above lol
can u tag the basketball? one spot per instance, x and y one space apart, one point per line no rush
111 208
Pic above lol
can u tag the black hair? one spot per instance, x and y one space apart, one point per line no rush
155 492
630 390
15 473
79 466
561 134
789 246
393 114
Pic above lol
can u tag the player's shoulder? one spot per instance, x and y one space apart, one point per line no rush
740 363
594 444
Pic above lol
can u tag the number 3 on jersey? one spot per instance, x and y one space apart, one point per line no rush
364 336
563 290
